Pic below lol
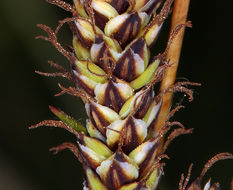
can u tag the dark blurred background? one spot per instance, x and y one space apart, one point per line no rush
26 164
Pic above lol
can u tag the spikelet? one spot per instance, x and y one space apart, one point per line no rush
114 74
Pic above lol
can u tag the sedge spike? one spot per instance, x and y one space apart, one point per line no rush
114 74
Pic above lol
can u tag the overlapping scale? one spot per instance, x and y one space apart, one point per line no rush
113 93
125 27
144 155
120 5
104 51
133 131
88 75
93 151
148 6
92 180
133 61
117 170
100 116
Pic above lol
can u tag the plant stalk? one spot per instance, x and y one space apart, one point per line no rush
179 16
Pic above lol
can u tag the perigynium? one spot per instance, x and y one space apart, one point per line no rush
114 74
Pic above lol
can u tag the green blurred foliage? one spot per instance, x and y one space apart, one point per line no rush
25 162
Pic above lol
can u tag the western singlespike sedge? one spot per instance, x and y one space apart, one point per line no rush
114 73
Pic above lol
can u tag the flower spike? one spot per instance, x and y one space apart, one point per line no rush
116 76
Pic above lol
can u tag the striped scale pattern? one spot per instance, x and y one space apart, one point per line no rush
114 74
